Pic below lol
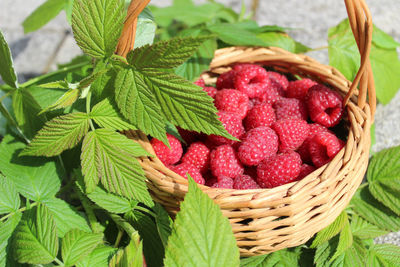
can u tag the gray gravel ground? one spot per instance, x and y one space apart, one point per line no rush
37 52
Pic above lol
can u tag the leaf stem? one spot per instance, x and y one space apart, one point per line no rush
146 210
60 263
128 228
119 237
94 224
20 210
45 76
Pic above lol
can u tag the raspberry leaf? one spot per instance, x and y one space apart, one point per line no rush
366 206
165 54
99 257
131 255
106 115
363 229
234 35
146 28
284 257
66 216
35 239
137 103
383 255
111 202
330 231
345 241
6 230
77 244
163 223
97 25
9 198
42 15
36 178
384 178
110 156
7 71
201 224
61 133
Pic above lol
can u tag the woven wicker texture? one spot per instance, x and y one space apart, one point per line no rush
266 220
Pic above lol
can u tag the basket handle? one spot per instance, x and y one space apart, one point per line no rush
361 25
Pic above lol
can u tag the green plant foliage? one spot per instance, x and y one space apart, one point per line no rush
363 229
9 198
163 223
330 231
146 29
110 202
99 257
201 224
6 231
7 71
131 255
284 257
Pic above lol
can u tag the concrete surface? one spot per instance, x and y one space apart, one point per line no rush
40 51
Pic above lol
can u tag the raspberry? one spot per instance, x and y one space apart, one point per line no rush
305 170
260 115
290 108
210 179
198 155
270 96
211 91
324 105
278 81
200 82
298 89
188 136
166 155
223 182
225 80
291 133
223 161
233 124
251 171
251 79
244 182
323 148
184 168
303 149
278 170
259 144
233 101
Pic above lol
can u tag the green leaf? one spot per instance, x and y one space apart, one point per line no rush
282 258
66 216
165 54
201 224
234 35
331 230
68 10
146 28
61 133
97 25
6 230
353 256
131 256
138 104
9 198
106 115
99 257
345 241
35 239
26 111
42 15
36 178
200 60
384 254
383 40
110 202
366 206
77 244
384 178
66 100
7 71
185 104
325 251
282 40
363 229
110 157
163 223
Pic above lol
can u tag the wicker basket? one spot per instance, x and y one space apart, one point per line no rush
266 220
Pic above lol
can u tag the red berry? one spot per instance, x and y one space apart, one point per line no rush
233 124
278 81
298 89
278 170
324 105
290 108
323 148
198 155
188 136
211 91
223 182
260 115
259 144
223 161
251 79
303 150
225 80
184 168
270 96
233 101
210 181
168 156
305 170
244 182
200 82
291 133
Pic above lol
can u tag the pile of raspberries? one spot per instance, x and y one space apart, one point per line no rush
283 128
